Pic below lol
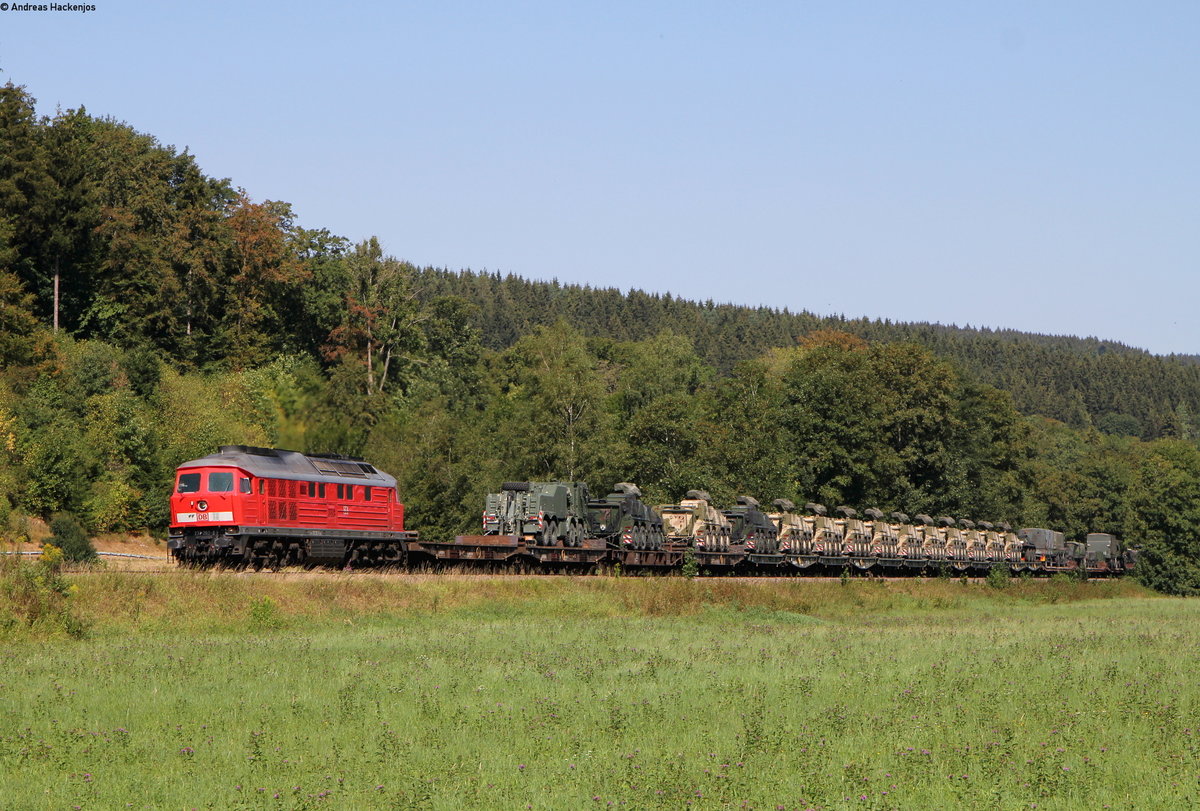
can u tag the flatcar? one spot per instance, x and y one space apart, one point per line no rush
249 506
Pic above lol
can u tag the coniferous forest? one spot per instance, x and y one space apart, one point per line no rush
149 313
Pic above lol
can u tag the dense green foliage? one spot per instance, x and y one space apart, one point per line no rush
71 538
187 315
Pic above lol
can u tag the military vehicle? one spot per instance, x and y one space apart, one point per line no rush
750 525
795 530
993 542
885 538
933 540
623 520
1012 544
695 521
955 543
855 538
827 533
543 513
908 536
973 541
1043 546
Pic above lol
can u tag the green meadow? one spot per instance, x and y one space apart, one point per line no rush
229 691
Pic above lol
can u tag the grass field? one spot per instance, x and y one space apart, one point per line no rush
367 691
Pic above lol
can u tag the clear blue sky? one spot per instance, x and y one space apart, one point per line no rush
1033 165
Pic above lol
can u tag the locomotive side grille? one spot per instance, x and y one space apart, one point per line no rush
291 510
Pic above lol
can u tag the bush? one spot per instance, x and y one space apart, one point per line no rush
691 567
999 577
35 600
68 535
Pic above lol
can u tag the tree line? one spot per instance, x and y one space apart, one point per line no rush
149 313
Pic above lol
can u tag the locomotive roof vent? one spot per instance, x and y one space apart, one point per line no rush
250 449
340 467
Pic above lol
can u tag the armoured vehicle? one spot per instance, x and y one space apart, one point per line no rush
885 538
543 513
856 540
695 521
624 520
933 539
827 533
908 536
750 525
795 530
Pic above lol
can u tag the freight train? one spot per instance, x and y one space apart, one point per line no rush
262 507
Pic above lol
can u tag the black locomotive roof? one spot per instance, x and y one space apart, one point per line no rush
273 463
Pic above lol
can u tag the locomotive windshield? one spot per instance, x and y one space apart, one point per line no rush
188 483
220 481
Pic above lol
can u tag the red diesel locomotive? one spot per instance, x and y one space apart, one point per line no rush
247 506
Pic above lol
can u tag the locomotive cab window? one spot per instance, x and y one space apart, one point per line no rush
220 481
341 493
366 493
244 485
188 483
262 486
321 490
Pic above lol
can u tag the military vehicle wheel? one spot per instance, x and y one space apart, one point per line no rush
549 532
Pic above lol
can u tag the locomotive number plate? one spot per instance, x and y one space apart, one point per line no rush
185 518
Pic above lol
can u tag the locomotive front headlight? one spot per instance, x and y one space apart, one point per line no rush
202 506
